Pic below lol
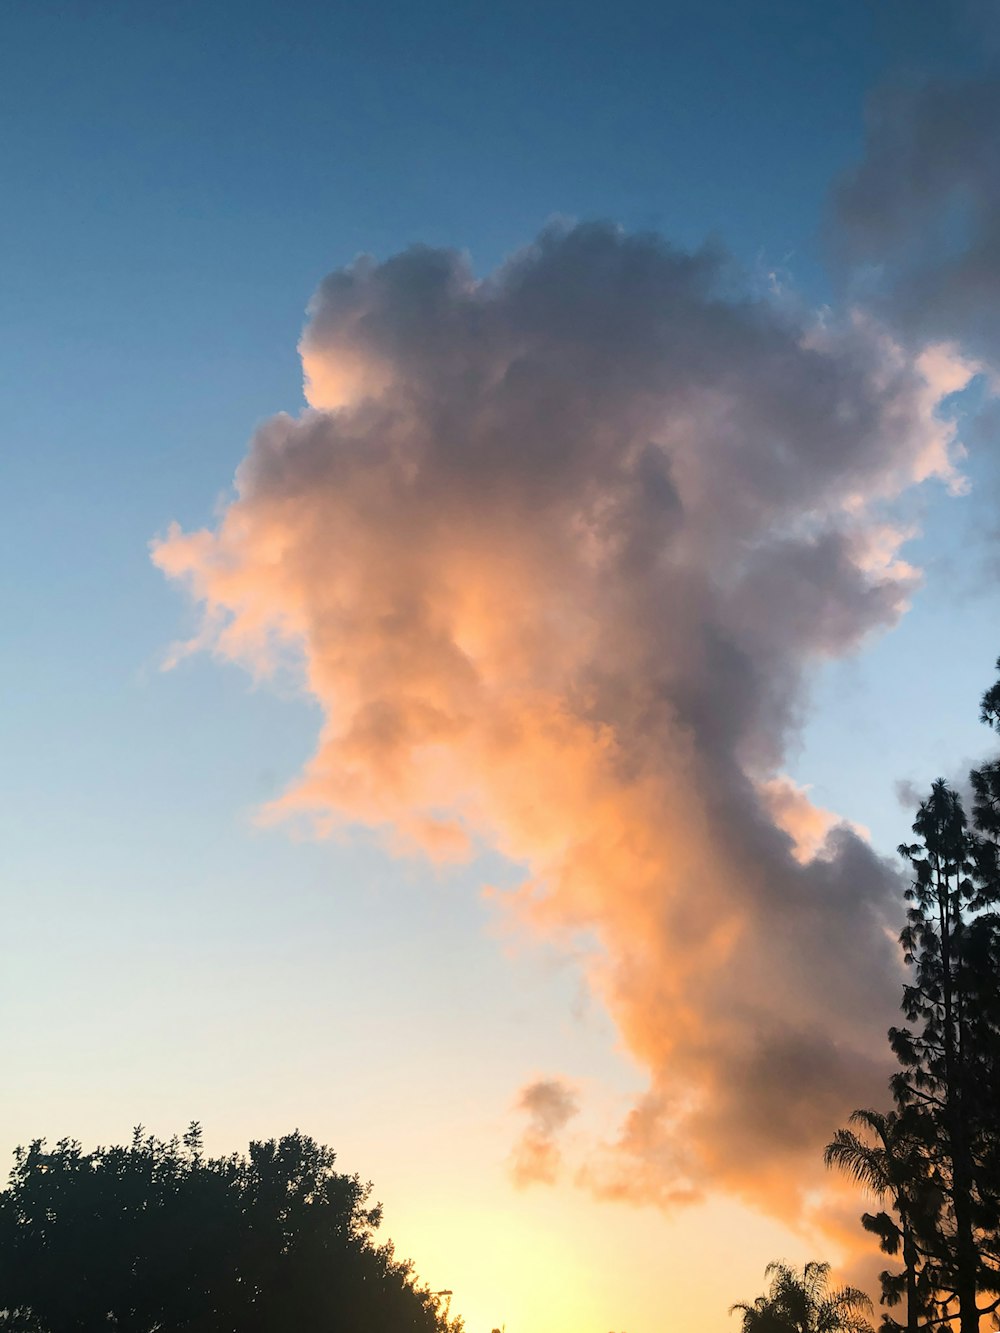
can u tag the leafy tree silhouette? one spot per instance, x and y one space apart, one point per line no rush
887 1155
156 1237
802 1302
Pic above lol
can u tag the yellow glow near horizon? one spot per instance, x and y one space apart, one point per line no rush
558 1261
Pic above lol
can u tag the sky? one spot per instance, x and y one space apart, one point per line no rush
499 522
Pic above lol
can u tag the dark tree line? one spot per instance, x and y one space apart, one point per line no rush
156 1237
933 1161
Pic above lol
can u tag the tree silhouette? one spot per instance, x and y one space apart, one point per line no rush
936 1160
156 1237
888 1158
950 1053
802 1302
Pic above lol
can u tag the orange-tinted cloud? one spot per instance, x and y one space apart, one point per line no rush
549 1106
809 826
556 552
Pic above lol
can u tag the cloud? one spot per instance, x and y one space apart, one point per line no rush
557 552
549 1105
919 217
909 794
809 826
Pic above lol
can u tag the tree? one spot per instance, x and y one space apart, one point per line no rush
802 1302
935 1058
950 1076
936 1159
156 1237
887 1158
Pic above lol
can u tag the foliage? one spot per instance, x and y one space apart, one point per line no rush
934 1162
802 1302
886 1155
156 1236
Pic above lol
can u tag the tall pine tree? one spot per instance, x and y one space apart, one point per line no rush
939 1157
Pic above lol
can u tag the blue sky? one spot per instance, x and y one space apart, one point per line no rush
181 179
177 181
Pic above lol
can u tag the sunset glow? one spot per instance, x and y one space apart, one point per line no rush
501 538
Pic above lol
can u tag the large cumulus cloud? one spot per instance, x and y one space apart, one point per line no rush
557 551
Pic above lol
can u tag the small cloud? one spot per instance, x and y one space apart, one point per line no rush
908 794
536 1159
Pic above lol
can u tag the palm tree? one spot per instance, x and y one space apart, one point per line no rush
803 1303
887 1165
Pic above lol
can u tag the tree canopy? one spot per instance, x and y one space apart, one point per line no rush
155 1237
803 1302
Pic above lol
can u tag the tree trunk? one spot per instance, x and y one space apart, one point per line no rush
910 1266
966 1258
966 1255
